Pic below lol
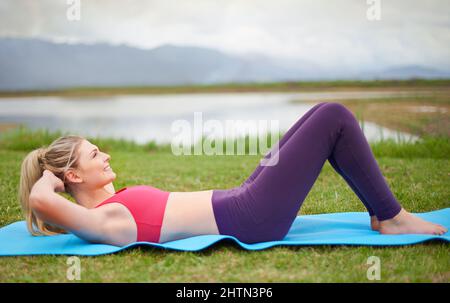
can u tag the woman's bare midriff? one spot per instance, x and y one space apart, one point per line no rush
188 214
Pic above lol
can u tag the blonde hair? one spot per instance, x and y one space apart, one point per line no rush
58 157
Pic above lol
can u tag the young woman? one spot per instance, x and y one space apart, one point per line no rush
262 208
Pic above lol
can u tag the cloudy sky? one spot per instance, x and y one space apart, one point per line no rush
336 34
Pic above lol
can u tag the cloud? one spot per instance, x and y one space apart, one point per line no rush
335 34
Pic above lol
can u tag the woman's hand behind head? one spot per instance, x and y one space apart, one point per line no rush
57 183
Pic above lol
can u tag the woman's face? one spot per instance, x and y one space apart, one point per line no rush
93 167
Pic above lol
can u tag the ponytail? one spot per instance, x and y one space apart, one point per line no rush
57 158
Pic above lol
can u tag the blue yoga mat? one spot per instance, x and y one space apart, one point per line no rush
349 228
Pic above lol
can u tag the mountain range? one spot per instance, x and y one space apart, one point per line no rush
33 64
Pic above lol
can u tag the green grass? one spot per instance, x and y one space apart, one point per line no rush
240 87
418 174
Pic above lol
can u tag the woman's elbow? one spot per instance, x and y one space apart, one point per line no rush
37 201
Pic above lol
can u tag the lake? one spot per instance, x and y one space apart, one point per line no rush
144 118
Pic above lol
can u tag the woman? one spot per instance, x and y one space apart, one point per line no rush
262 208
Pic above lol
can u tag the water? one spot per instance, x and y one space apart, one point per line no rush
145 118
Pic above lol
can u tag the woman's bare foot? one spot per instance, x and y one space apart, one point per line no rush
374 223
406 223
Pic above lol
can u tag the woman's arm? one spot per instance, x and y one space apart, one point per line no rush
53 208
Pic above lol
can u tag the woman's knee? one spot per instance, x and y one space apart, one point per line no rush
338 110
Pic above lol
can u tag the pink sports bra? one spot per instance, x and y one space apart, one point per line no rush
147 204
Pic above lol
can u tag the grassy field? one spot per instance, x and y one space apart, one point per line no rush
418 174
303 86
419 115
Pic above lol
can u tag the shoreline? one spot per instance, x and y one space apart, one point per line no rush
277 87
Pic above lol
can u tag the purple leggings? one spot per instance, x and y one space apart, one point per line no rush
264 207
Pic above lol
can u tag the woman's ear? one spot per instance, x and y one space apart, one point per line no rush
72 177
